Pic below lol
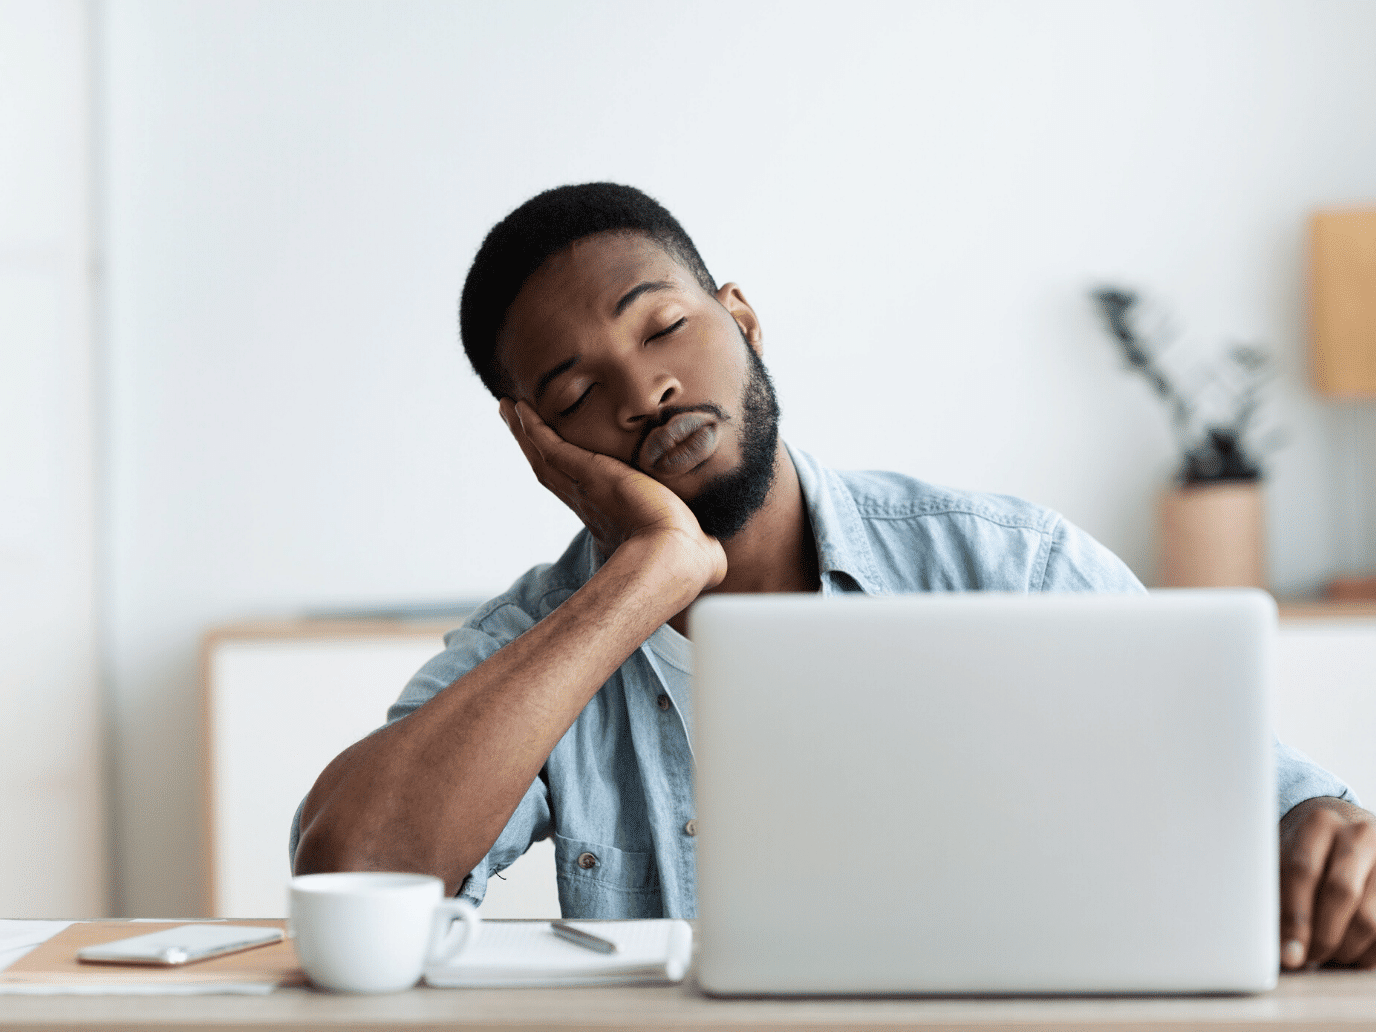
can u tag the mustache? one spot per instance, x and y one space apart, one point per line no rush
664 416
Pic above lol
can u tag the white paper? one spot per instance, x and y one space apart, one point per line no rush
529 953
18 937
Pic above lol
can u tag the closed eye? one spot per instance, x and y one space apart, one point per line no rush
577 404
566 413
666 331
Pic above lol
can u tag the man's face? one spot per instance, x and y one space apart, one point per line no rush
622 352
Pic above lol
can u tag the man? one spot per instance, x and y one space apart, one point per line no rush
635 388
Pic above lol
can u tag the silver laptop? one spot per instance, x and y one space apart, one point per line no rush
985 793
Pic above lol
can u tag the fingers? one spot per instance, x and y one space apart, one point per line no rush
1304 857
1366 960
1340 896
1328 892
511 415
1350 880
506 408
553 450
614 500
521 424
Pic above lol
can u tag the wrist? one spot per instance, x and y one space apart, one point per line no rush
675 567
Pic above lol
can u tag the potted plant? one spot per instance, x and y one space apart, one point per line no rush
1212 517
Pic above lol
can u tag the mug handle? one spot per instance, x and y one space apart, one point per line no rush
446 941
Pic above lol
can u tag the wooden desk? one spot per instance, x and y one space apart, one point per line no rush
1337 1000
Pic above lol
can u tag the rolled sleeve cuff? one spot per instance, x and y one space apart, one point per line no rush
1299 778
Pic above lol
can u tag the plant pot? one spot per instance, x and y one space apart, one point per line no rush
1213 536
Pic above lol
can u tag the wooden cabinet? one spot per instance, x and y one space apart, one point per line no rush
281 701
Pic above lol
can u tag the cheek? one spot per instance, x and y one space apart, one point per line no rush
592 434
731 370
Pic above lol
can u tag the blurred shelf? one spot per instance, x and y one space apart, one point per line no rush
1318 609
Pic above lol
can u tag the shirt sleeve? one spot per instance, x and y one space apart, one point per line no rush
1077 562
464 649
1299 778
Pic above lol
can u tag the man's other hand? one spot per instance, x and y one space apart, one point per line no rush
1327 889
614 501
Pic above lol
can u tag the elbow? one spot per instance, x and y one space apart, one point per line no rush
335 833
332 838
320 852
327 847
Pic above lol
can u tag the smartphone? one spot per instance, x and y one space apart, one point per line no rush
181 945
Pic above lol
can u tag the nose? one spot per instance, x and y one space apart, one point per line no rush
644 395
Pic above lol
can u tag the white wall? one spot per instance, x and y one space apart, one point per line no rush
914 195
52 814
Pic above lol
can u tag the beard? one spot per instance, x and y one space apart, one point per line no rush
727 502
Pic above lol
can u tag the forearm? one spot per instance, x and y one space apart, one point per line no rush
433 791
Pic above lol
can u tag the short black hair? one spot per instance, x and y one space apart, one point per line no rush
543 226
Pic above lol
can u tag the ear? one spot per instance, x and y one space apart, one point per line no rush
731 298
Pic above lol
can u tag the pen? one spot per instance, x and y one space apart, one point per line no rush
581 938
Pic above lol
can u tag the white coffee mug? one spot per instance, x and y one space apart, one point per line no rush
370 932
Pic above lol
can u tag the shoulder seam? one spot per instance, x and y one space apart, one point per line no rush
1044 553
1037 522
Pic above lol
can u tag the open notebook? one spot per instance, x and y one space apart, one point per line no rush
528 953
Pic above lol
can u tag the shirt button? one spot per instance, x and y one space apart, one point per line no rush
663 701
691 828
587 861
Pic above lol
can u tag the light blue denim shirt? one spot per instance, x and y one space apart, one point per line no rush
616 794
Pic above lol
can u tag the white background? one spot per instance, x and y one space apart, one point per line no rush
914 196
53 842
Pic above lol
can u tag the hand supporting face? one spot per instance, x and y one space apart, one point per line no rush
1327 884
615 502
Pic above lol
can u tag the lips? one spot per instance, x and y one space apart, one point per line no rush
681 444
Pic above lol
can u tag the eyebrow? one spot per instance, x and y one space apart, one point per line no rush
641 288
628 299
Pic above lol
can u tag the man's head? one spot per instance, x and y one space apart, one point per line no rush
592 305
543 226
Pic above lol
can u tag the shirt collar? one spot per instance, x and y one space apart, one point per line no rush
844 558
843 548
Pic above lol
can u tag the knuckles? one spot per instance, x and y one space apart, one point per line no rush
1341 890
1364 921
1302 865
1362 835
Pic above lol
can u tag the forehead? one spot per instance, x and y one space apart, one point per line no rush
577 289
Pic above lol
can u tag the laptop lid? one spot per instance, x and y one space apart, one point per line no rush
986 793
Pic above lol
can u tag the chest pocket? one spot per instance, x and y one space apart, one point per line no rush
600 881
